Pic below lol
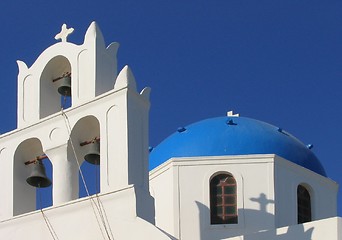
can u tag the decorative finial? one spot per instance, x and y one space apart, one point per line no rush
181 129
64 33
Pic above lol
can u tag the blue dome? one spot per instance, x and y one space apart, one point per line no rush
234 136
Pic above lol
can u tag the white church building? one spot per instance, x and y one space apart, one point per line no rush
228 177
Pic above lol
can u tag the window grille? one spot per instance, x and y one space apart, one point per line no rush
223 199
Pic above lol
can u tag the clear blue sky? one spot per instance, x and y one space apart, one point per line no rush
277 61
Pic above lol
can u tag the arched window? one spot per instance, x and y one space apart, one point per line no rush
303 204
223 199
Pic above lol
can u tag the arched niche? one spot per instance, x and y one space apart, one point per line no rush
27 198
50 99
85 131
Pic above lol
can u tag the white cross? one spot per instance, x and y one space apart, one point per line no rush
64 33
232 114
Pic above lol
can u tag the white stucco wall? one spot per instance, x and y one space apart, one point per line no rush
190 180
266 195
165 187
92 218
323 192
329 228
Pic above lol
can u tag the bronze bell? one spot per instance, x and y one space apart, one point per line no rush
93 153
65 86
38 176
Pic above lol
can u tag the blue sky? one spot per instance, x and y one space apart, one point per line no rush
277 61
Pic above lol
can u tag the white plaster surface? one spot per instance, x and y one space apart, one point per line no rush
181 191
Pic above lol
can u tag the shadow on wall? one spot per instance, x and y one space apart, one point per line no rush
293 232
252 225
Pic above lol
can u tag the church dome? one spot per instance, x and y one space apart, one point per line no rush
234 136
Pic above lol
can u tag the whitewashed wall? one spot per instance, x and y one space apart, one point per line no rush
180 187
323 193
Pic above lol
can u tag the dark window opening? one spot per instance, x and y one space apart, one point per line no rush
223 200
303 205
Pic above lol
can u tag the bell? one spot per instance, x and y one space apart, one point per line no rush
65 86
93 153
38 176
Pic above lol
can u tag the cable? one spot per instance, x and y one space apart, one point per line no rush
104 216
93 203
47 222
63 103
66 119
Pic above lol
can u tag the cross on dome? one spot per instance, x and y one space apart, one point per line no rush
64 33
232 114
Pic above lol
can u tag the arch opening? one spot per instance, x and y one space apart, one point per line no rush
27 198
86 150
55 86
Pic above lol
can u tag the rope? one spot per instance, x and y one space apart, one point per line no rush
100 204
104 216
47 222
64 102
92 201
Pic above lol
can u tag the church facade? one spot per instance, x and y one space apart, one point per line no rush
229 177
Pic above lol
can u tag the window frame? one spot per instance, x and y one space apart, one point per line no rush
219 193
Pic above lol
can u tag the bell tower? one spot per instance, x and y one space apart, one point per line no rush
106 124
92 67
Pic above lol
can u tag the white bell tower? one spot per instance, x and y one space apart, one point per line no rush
105 108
